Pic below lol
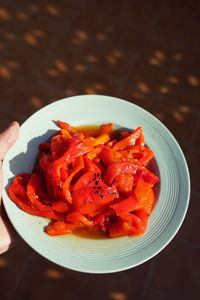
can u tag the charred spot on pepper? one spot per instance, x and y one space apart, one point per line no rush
97 187
44 203
102 163
49 204
114 181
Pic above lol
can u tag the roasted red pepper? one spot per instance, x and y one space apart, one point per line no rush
77 166
53 172
67 126
106 128
106 156
59 228
116 169
124 183
85 181
136 137
127 205
145 196
129 224
17 192
91 195
36 195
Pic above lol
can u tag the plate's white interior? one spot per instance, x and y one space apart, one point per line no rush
109 255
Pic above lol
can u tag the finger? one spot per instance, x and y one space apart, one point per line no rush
6 234
1 182
8 137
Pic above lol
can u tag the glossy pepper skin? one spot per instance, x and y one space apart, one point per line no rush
17 192
82 180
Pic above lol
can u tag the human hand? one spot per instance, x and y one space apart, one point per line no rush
7 138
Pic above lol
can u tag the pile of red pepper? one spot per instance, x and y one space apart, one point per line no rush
86 181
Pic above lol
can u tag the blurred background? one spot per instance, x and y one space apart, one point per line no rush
146 52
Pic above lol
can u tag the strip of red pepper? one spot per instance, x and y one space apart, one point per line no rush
125 206
17 192
67 126
116 169
129 224
53 172
91 195
36 195
147 156
39 198
130 140
78 165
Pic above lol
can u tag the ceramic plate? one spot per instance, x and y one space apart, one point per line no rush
103 255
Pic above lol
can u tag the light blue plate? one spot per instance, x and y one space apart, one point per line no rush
107 255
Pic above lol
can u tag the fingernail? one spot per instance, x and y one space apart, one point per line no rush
11 124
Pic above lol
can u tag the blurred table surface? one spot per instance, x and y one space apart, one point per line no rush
146 52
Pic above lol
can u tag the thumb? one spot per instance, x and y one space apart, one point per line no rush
8 137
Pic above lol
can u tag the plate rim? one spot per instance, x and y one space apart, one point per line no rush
186 169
